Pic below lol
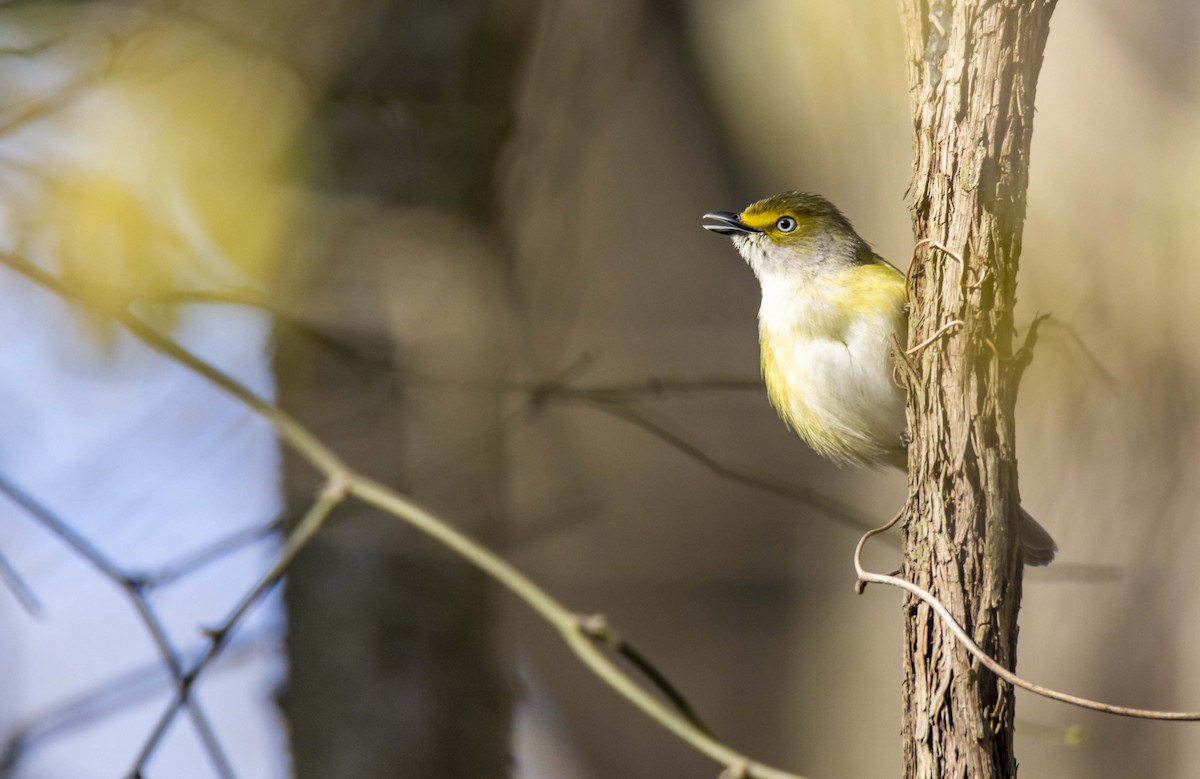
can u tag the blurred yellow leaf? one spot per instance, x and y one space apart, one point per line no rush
169 172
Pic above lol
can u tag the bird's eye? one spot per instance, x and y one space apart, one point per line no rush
785 224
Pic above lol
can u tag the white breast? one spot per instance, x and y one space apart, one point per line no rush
829 372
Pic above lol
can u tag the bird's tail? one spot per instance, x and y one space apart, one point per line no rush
1037 547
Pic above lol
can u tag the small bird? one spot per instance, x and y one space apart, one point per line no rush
830 307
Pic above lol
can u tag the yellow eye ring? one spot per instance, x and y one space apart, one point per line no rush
785 224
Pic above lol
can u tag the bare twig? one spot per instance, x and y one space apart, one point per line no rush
865 576
943 330
597 398
604 397
137 597
292 432
21 113
333 494
656 389
596 626
565 621
563 384
121 692
836 510
234 37
1024 355
369 491
32 50
1098 366
172 572
1076 573
19 587
962 266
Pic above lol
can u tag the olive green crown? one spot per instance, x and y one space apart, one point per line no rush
806 208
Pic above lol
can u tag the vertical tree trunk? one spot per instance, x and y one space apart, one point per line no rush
973 67
392 640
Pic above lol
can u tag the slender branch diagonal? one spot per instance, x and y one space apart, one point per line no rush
344 481
153 623
865 576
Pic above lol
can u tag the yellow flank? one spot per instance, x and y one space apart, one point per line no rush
792 408
871 288
830 351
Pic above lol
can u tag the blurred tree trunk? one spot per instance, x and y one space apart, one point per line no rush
973 67
392 641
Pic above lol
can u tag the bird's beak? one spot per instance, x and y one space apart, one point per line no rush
728 223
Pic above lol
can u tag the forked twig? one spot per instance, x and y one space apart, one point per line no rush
596 626
333 494
121 692
865 576
349 482
609 398
199 558
136 595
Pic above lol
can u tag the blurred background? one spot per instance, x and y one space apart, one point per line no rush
460 240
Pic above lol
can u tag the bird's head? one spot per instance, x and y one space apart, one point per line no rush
795 231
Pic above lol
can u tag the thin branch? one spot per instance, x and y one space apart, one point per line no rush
321 457
596 626
1088 354
962 266
291 431
1024 356
1091 573
20 114
32 50
604 397
117 693
200 558
247 296
542 390
564 620
865 576
836 510
953 324
8 5
559 385
656 389
137 597
250 297
333 494
234 37
20 588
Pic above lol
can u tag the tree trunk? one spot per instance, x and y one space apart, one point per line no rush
973 67
395 655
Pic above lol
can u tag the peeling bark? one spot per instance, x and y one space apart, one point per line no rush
973 67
